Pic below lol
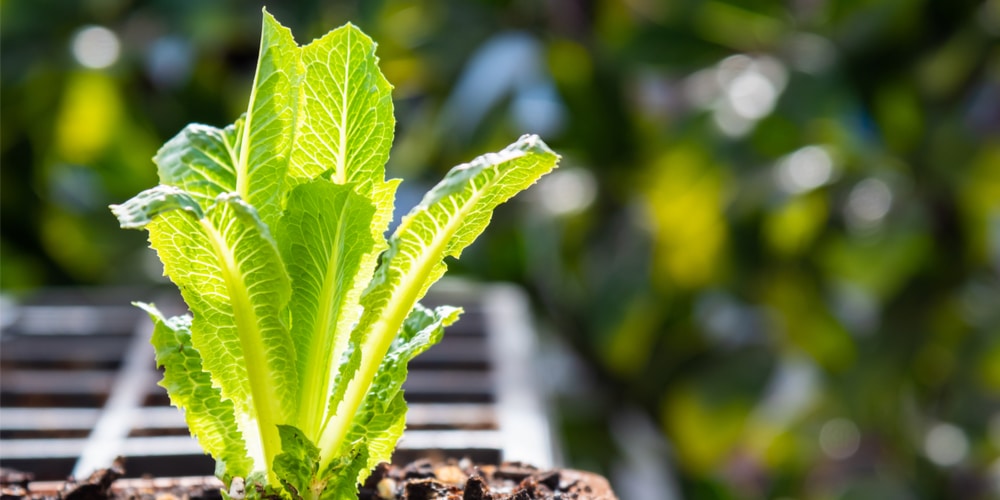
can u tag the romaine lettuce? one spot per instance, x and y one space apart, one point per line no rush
303 317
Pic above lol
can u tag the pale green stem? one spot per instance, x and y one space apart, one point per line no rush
263 397
316 383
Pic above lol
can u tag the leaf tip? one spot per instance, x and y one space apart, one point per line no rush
146 306
271 24
267 14
532 143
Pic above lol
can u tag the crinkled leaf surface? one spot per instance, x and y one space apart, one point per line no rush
342 473
448 219
344 134
346 124
139 211
231 276
347 120
380 421
269 127
328 249
201 160
210 418
298 463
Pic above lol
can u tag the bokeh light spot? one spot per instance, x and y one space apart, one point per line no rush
946 445
805 169
752 95
744 90
839 438
96 47
869 202
566 191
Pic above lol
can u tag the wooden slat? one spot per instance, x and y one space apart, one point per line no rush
451 440
455 351
47 419
96 349
168 417
20 449
16 449
74 320
453 414
448 385
439 382
56 381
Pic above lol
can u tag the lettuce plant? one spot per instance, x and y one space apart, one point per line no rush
303 315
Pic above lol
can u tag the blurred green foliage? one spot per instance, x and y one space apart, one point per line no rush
775 236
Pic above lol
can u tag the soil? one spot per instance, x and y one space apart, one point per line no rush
420 480
462 480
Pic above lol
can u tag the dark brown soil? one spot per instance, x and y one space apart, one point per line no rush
98 486
420 480
424 480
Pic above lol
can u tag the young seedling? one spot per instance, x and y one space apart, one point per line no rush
303 317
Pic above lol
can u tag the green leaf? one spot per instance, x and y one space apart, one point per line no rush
297 464
139 211
250 157
341 474
326 243
378 428
380 421
448 219
233 280
270 122
201 160
346 124
347 119
209 417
